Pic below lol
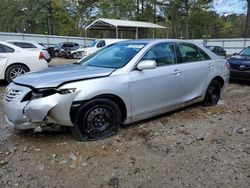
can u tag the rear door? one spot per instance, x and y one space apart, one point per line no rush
156 89
4 51
197 68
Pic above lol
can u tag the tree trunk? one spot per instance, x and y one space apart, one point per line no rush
138 9
186 28
154 12
186 19
173 23
49 18
142 6
247 26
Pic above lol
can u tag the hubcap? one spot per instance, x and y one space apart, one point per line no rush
16 72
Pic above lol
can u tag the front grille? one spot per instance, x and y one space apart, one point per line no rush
238 67
12 94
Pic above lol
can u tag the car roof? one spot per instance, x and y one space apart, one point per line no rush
26 41
147 41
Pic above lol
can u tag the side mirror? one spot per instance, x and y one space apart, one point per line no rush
235 53
146 64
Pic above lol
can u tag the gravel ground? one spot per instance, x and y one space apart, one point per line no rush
191 147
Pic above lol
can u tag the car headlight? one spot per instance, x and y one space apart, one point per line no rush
40 93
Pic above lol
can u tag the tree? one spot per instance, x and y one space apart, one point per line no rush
247 25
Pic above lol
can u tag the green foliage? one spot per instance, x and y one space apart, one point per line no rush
184 18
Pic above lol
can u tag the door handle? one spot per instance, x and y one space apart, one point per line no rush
210 65
177 72
3 56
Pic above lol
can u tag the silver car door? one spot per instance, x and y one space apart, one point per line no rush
196 66
156 89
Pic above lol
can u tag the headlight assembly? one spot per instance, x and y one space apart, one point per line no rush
47 92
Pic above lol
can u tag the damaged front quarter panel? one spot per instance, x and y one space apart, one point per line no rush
51 109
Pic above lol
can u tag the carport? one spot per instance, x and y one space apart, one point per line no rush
114 25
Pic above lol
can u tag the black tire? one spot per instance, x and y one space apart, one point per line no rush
97 119
14 71
212 95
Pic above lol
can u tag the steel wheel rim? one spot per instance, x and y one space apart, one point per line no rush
99 121
213 94
16 72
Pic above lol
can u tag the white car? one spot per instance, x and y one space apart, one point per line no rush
92 47
15 61
31 45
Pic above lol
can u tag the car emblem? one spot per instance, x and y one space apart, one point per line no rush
242 67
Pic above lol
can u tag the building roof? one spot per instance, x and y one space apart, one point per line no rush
123 23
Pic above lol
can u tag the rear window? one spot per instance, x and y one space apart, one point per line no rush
68 45
24 45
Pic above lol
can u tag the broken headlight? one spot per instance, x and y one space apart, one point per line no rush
47 92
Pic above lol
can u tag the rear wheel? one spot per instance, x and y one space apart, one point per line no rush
97 119
14 71
212 94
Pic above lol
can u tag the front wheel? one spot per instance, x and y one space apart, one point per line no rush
212 95
97 119
14 71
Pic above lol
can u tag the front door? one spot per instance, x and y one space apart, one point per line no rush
156 89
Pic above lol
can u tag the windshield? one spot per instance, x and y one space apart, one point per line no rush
113 56
245 52
91 43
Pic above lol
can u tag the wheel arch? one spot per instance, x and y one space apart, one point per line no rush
116 99
13 64
220 80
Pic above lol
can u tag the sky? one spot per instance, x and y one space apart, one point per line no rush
226 7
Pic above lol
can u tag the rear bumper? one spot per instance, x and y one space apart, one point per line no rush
240 75
48 60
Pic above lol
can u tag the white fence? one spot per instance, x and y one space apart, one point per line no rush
48 40
230 45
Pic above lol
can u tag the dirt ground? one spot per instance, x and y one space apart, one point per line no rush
192 147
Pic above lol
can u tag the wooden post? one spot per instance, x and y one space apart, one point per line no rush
117 32
136 34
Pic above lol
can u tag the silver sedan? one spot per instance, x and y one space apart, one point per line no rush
120 84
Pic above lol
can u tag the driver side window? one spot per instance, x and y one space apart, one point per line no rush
163 54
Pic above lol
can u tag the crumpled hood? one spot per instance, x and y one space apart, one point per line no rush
55 76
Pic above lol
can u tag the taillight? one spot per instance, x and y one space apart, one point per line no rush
228 65
41 56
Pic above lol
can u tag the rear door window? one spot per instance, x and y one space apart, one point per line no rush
6 49
24 45
191 53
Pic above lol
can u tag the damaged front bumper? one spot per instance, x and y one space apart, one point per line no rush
24 113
